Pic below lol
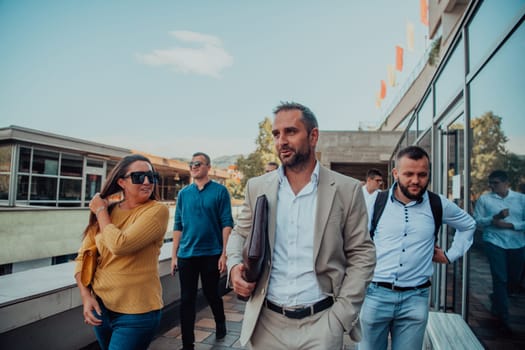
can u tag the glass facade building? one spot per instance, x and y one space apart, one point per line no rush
471 120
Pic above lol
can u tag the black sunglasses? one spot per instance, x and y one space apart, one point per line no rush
137 177
195 164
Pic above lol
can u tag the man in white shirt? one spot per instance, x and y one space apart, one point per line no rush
321 257
374 183
501 215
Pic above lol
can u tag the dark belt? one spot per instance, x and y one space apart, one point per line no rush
401 289
302 312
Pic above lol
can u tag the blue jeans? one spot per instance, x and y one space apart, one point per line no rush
126 331
402 314
506 266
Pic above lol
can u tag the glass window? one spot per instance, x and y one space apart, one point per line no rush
497 106
95 163
412 133
424 115
43 188
25 160
487 27
403 125
498 138
22 191
93 185
45 162
424 142
70 189
451 79
109 166
71 165
4 186
5 158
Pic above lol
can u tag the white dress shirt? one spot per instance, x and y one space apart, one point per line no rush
293 281
490 204
370 198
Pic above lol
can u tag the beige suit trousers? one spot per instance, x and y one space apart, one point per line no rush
321 331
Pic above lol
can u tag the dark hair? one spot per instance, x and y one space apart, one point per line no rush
308 117
373 172
111 185
207 157
500 175
412 152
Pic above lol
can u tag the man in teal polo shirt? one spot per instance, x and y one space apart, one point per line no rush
203 222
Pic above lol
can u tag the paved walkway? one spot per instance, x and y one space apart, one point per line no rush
205 330
481 321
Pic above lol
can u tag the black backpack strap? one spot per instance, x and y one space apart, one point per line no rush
379 207
437 211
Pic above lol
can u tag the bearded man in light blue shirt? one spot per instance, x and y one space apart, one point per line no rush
501 215
397 299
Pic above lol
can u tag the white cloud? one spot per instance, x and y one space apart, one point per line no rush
208 57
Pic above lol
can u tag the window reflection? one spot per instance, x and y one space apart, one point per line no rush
483 37
497 117
24 160
45 162
425 115
43 188
70 189
451 80
71 165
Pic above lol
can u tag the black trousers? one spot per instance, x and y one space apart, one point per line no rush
189 270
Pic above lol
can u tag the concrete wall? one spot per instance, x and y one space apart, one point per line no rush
31 234
356 146
42 308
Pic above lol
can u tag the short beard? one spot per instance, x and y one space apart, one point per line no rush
297 160
414 197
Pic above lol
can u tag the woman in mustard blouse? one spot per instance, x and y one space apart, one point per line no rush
124 299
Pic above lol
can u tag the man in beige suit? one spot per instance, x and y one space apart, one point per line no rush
321 256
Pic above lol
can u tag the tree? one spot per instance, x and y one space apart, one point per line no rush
235 188
488 150
253 164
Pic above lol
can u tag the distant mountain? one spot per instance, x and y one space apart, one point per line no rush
224 161
220 162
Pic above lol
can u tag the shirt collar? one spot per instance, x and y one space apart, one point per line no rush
314 178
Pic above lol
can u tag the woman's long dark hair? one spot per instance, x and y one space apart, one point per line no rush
111 185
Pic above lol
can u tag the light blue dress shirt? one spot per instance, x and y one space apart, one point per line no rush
293 281
490 204
404 239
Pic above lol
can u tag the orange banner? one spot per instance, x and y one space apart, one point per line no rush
424 11
382 92
399 58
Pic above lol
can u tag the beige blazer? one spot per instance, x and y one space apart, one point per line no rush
343 252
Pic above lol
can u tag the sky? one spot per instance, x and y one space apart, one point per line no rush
172 77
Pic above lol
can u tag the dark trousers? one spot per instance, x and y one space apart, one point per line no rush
505 266
189 270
